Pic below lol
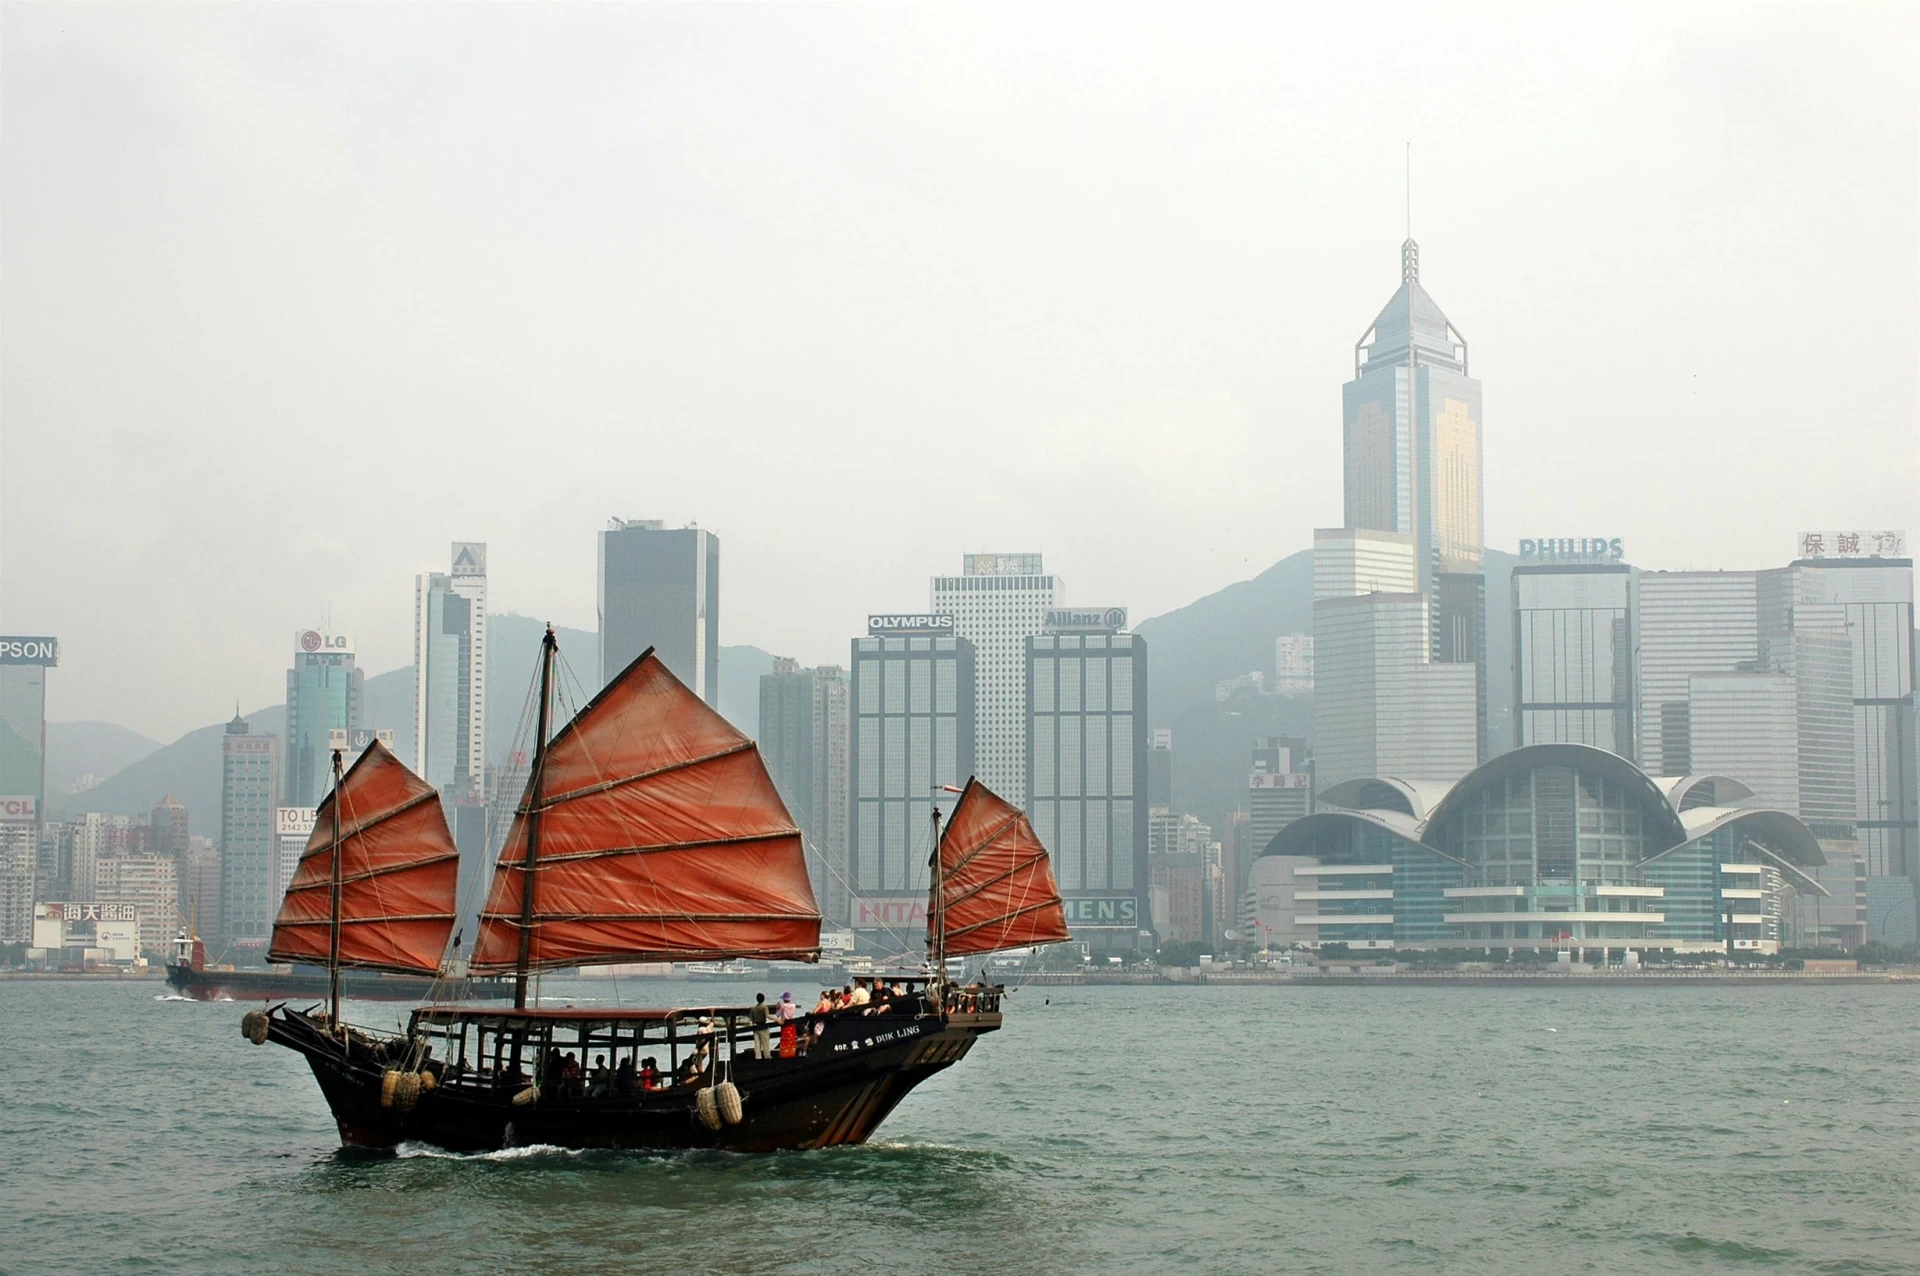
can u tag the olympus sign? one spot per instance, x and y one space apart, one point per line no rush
29 651
910 623
1102 620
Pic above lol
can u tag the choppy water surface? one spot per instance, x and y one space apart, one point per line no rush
1106 1129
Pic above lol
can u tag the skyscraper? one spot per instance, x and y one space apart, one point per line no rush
169 835
1086 699
803 739
1382 705
660 588
324 695
1412 431
24 662
912 727
1573 655
997 603
1690 623
249 792
450 674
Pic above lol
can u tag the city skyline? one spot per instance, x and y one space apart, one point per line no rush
1160 389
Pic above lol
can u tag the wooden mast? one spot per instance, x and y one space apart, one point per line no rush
937 914
547 649
333 931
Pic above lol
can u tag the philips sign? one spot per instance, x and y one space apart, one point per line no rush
1572 549
1100 620
30 651
910 623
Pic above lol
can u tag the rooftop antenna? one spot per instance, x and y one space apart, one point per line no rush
1409 188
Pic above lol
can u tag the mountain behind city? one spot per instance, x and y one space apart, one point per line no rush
1214 639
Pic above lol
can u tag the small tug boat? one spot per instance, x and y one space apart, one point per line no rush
649 831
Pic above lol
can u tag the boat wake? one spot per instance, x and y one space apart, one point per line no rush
172 996
408 1151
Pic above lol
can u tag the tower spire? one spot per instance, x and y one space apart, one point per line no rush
1409 251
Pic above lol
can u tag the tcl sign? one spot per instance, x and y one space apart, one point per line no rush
18 810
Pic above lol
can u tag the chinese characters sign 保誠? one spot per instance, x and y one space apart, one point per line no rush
1883 544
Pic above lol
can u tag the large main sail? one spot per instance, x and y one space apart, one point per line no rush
659 837
398 872
996 886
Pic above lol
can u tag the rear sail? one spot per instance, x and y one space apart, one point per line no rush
658 836
398 869
996 886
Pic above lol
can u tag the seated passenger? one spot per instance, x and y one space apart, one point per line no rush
625 1082
649 1074
860 994
601 1079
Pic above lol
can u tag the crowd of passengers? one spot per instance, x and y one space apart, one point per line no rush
563 1075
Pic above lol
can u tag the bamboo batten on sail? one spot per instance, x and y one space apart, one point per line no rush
660 837
997 889
398 871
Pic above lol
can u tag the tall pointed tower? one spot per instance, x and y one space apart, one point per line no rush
1412 414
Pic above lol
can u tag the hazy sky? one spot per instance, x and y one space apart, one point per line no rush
292 297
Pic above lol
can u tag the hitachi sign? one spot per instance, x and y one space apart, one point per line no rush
29 651
910 623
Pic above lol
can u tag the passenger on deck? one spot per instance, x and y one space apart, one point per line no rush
552 1068
602 1079
696 1064
758 1017
825 1004
625 1082
860 995
570 1076
649 1074
788 1012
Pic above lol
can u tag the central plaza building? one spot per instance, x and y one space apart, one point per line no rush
1548 846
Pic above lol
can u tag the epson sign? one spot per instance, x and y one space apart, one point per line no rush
1572 549
910 623
29 651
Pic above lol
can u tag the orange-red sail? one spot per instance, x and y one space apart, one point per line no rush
997 888
398 869
661 837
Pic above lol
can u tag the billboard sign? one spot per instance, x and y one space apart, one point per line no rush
1883 544
19 809
1572 549
18 650
1003 565
1084 620
293 821
919 622
1102 911
894 912
94 912
469 558
313 642
1277 780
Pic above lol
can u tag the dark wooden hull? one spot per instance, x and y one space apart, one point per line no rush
268 985
838 1093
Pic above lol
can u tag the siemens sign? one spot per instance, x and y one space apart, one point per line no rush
910 623
1572 549
30 651
1122 910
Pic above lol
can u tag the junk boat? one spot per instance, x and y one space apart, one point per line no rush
649 831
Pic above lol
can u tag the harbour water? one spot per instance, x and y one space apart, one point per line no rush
1139 1129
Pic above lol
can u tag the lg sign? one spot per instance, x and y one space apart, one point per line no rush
314 640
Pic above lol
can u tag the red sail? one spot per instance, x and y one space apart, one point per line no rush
398 868
997 889
661 837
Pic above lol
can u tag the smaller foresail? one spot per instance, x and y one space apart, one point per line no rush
997 887
398 874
